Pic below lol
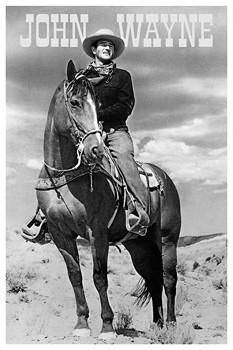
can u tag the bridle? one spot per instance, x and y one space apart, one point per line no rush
78 134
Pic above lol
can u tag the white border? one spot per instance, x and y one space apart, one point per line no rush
227 3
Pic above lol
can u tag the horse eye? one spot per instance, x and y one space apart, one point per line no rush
75 103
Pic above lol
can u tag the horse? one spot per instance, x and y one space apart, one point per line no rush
82 206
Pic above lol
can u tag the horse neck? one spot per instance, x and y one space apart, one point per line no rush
59 151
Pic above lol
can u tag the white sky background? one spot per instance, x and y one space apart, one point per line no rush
179 121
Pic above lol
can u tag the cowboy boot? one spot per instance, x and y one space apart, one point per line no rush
137 219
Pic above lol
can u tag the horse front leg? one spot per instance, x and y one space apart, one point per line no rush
67 246
99 246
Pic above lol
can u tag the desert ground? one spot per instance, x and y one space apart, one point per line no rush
40 304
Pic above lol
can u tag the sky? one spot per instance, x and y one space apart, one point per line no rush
179 121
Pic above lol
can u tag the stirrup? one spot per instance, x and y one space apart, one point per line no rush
35 230
135 224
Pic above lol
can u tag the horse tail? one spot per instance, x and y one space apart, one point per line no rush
142 293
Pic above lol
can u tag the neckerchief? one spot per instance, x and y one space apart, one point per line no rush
104 69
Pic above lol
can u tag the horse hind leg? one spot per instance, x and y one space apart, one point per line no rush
169 256
146 257
68 249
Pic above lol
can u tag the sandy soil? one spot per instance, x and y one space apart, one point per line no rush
41 306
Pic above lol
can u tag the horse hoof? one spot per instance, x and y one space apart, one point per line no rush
107 336
81 332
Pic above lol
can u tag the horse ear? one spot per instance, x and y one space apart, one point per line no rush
71 70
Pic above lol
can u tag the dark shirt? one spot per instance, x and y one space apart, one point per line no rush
115 98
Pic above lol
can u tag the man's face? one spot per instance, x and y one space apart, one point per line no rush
103 51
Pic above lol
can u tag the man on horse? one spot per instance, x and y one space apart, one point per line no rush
77 205
115 96
115 102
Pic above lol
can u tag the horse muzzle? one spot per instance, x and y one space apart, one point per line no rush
93 152
97 152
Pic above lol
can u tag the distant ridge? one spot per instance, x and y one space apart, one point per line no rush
188 240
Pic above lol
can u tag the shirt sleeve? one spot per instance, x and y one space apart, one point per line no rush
120 110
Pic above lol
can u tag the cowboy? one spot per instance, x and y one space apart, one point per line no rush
115 102
115 96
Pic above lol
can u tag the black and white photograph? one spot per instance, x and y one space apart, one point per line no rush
116 174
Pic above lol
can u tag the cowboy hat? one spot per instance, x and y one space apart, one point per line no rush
104 34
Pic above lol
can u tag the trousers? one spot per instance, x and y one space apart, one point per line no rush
121 147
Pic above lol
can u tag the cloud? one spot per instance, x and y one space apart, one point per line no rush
199 130
196 87
174 101
24 134
220 191
208 131
19 117
180 152
10 176
186 163
10 172
34 164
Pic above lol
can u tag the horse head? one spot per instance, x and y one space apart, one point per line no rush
82 122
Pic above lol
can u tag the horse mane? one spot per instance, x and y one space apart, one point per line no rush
82 86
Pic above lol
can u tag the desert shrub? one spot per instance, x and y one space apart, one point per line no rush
214 267
184 335
181 298
45 261
220 283
164 335
123 318
23 298
29 275
170 334
196 325
17 279
205 270
16 282
218 260
214 260
182 268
